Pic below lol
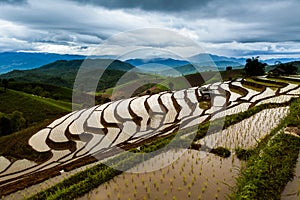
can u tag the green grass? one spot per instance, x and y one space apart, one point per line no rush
246 84
266 175
221 151
238 90
35 109
243 154
283 80
232 74
45 90
269 82
146 80
78 184
271 164
178 83
252 88
273 86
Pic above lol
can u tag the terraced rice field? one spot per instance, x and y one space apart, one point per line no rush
248 132
77 138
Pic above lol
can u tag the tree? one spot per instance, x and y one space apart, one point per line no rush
5 125
17 121
38 90
5 84
254 67
229 68
10 123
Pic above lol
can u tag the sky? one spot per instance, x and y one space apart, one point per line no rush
236 28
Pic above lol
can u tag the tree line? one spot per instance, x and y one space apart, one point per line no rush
254 67
12 122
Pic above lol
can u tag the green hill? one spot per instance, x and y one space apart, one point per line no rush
44 90
63 73
35 109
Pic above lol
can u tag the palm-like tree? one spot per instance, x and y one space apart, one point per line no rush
254 67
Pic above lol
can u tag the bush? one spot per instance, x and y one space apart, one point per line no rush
10 123
243 154
221 151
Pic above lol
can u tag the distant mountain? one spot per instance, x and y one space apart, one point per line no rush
199 60
63 72
204 59
10 61
184 70
21 61
162 61
232 61
173 67
272 61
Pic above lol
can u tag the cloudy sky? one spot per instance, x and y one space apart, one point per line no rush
267 28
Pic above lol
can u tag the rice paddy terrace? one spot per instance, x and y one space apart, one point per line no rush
78 138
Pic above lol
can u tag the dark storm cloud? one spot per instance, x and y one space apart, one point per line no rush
13 1
255 21
233 24
150 5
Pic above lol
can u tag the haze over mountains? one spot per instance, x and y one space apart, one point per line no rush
10 61
21 61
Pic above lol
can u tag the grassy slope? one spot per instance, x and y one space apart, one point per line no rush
271 164
39 112
120 89
47 90
34 108
263 83
186 81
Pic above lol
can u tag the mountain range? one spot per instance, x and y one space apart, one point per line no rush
10 61
63 73
22 61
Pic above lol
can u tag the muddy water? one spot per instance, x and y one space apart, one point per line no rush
38 140
289 87
4 163
267 93
195 175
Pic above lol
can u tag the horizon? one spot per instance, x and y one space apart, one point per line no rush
261 57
